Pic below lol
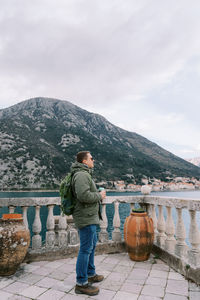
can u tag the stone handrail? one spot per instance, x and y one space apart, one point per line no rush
60 231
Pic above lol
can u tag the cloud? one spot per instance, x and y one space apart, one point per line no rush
111 51
135 62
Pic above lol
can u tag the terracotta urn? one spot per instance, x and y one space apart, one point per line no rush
14 243
138 235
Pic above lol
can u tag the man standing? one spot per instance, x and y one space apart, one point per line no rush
86 218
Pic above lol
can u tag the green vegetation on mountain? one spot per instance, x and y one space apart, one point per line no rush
40 137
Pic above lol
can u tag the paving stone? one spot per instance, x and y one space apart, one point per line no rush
4 295
54 264
16 287
143 265
104 294
123 295
33 291
18 297
30 268
82 296
160 274
71 279
40 263
156 281
128 263
72 260
139 274
51 295
5 282
31 278
99 258
63 287
194 287
106 266
160 267
177 287
43 271
65 260
194 295
47 282
122 269
19 274
174 297
153 290
131 288
119 277
111 285
74 297
144 297
111 260
66 268
176 276
139 281
58 275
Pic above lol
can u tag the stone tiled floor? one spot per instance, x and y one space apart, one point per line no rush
124 280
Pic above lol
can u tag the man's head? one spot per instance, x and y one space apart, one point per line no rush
85 157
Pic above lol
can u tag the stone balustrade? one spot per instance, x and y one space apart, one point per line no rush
170 234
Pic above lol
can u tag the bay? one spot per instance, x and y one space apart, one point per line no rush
124 208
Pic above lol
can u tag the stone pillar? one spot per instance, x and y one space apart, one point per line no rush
25 209
37 226
132 206
154 218
194 239
62 233
116 234
103 235
50 234
161 228
180 247
11 209
170 231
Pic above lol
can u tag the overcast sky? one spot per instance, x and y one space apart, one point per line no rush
137 63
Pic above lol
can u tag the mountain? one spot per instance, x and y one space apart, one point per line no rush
195 161
40 137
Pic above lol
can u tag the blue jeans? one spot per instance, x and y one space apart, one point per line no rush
85 262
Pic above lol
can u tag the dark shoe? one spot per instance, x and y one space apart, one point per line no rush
87 289
95 278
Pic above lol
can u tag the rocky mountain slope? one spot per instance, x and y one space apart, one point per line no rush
40 137
195 161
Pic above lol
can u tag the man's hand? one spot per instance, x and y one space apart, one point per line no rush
103 194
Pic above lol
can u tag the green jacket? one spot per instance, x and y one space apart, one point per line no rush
86 211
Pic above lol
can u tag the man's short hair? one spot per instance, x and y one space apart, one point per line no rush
81 156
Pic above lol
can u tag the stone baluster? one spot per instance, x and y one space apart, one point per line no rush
132 206
62 233
73 237
170 231
25 209
11 209
37 226
116 235
149 209
161 228
103 235
154 218
180 247
194 239
50 234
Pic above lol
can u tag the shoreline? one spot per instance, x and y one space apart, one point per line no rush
107 190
